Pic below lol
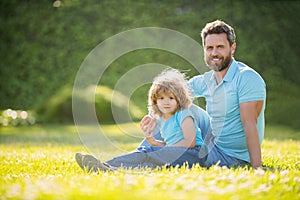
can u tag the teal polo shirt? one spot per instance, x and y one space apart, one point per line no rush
240 84
171 130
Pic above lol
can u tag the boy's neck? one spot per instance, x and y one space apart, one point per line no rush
167 116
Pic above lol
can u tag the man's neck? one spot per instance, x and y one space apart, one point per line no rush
221 74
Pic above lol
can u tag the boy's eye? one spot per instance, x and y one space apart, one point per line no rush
171 97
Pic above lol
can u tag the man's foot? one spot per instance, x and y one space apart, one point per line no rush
78 158
91 163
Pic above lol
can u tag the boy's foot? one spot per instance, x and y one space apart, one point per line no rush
91 163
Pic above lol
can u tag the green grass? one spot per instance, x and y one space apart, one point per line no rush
37 162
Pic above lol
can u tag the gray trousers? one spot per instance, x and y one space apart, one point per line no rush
153 157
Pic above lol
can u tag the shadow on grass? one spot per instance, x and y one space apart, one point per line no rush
61 135
67 135
39 135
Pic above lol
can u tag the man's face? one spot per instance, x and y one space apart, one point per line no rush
218 52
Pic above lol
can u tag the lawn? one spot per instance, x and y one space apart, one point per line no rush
37 162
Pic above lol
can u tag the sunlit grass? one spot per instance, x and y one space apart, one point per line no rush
38 163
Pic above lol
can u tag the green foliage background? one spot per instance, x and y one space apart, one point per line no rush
42 47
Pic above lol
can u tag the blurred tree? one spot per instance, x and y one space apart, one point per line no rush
43 44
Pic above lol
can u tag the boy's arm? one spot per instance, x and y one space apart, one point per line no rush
155 142
189 133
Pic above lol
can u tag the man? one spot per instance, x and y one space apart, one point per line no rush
235 100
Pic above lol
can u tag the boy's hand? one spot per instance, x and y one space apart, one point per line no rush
148 125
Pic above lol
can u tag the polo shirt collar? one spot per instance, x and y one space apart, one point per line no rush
231 71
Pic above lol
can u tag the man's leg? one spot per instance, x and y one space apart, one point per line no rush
130 160
191 157
152 157
215 156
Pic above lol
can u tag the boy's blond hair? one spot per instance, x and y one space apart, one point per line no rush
169 81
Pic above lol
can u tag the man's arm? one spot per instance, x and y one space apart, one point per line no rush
249 113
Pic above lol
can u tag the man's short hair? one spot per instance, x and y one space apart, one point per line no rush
218 27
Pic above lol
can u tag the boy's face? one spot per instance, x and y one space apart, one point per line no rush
167 104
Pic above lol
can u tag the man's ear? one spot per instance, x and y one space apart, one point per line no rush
233 47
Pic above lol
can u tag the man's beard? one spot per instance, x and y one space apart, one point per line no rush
224 64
